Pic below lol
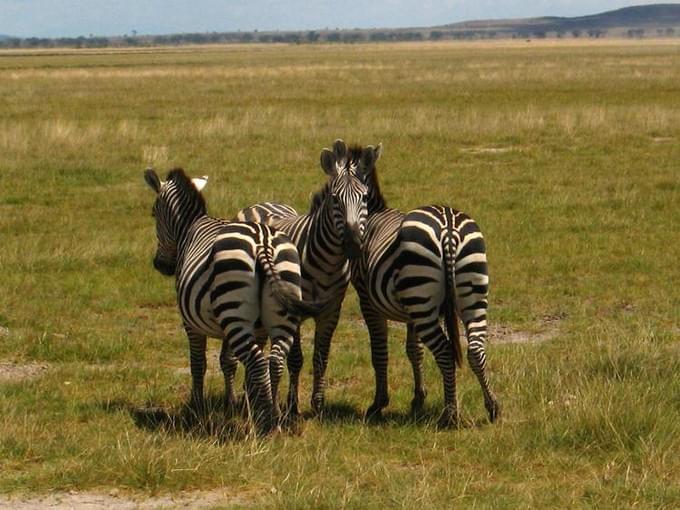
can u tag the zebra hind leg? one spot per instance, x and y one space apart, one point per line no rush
228 363
431 334
257 381
414 351
476 355
281 345
294 361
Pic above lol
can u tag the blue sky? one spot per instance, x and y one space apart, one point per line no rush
53 18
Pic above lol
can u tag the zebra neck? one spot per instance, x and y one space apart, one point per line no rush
185 234
323 239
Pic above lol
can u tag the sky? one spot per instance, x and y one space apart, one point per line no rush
73 18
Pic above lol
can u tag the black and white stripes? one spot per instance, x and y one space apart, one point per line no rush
229 276
247 279
417 268
325 237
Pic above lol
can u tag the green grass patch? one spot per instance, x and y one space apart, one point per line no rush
565 155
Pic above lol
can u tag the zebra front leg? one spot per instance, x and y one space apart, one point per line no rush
476 355
377 329
228 363
436 341
414 351
325 326
295 360
197 345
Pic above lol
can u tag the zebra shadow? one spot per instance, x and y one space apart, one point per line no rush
427 417
336 412
213 422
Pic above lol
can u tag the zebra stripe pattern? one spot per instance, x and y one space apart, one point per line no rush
416 268
229 277
325 237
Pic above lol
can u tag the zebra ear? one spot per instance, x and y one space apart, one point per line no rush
328 161
369 155
152 179
340 149
200 182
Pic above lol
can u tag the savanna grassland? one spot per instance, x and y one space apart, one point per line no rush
568 156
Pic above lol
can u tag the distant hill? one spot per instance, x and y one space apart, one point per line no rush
657 16
657 21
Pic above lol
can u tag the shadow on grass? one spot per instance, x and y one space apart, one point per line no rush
346 413
214 422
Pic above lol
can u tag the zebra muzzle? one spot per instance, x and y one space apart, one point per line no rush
351 244
163 267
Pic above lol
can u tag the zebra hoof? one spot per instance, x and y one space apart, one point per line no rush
373 415
291 415
494 410
196 407
267 429
447 421
265 422
317 405
418 403
374 412
231 407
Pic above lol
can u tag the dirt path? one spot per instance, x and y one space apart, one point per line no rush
93 500
14 371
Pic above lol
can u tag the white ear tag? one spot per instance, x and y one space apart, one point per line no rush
200 182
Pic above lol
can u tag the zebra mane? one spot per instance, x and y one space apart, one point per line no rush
186 187
376 200
319 197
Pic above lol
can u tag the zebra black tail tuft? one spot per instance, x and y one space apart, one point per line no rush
295 305
450 300
285 292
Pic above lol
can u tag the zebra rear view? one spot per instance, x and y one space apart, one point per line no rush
418 268
229 276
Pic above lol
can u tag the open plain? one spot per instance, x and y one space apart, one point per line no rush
566 153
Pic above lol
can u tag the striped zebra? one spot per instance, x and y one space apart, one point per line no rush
229 276
325 237
417 268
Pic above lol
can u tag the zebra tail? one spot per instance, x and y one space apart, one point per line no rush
284 292
450 300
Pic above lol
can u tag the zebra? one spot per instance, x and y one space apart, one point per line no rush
415 268
326 237
229 276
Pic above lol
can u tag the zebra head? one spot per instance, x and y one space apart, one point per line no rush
348 191
178 203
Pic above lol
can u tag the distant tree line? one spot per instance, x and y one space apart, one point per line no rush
312 36
61 42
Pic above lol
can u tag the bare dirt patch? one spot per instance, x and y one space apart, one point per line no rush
505 335
15 371
489 150
548 329
113 501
